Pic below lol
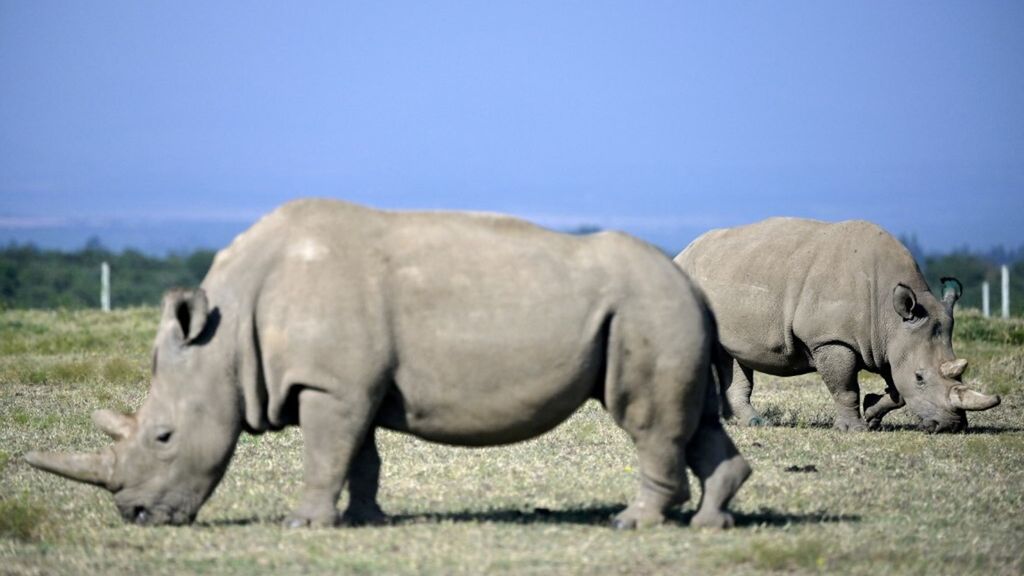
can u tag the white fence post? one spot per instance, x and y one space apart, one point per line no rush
984 299
1006 291
105 287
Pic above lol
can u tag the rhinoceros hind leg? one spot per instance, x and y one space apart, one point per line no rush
659 431
654 497
363 483
838 366
721 470
737 381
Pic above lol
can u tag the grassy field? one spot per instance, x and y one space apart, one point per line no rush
895 501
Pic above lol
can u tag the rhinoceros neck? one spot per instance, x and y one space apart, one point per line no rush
232 286
300 233
894 265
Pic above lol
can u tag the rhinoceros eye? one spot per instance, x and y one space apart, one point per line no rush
919 378
164 436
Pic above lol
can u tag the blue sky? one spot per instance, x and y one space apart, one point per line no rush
182 122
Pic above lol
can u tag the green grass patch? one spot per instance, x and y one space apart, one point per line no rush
25 418
819 501
53 332
972 326
21 519
801 555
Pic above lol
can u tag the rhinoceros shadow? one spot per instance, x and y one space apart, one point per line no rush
971 429
901 427
600 515
775 417
587 516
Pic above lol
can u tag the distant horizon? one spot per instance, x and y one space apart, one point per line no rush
161 236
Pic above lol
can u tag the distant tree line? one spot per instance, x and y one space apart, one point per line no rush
34 278
972 268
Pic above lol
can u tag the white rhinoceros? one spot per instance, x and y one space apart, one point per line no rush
792 296
458 328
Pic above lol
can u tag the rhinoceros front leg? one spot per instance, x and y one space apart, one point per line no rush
738 383
837 365
876 406
332 433
363 482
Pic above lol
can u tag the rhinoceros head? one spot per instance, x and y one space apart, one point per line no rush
169 456
924 368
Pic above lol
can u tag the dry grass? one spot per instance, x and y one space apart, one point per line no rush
896 501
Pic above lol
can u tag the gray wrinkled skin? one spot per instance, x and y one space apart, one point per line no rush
792 296
462 329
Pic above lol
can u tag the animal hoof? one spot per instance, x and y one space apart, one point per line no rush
717 520
632 518
296 522
623 524
851 426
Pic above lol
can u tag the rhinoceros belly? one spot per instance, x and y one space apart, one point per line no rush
486 407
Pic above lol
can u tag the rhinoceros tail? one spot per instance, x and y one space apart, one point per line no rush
609 366
715 403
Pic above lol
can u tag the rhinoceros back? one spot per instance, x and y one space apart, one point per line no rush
783 286
491 329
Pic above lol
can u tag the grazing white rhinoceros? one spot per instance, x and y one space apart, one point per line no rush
793 296
458 328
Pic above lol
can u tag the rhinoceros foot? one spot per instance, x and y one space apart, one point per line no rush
301 519
635 517
715 519
850 425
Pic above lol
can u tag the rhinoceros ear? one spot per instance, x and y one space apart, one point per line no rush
952 289
904 301
187 311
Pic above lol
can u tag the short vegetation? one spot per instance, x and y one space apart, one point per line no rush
890 502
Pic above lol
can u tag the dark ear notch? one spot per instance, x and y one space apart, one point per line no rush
904 301
952 289
187 311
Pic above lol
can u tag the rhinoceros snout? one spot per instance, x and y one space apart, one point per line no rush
138 515
144 516
958 424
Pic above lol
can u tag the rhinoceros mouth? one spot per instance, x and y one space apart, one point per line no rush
156 516
939 426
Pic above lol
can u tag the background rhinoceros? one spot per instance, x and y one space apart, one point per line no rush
458 328
793 296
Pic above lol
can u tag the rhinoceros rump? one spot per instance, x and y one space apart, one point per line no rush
457 328
793 296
